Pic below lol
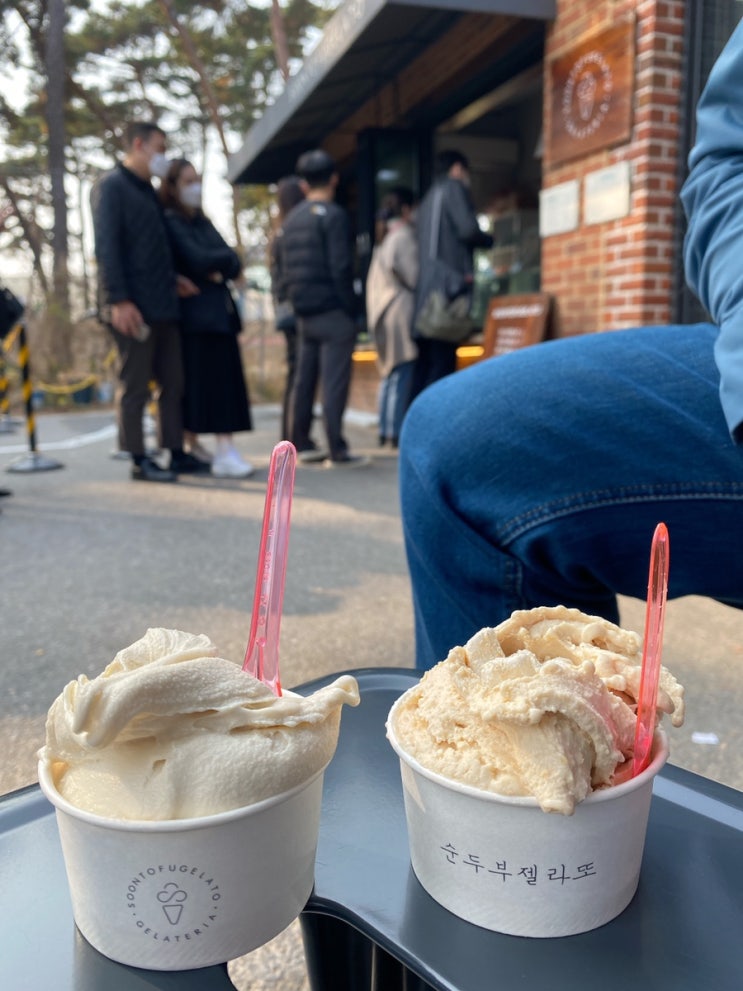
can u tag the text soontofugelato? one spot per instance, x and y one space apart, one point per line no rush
543 705
170 730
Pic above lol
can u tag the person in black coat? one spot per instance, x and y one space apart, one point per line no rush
138 290
317 263
289 193
216 396
454 241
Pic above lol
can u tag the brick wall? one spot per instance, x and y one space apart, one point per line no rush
618 273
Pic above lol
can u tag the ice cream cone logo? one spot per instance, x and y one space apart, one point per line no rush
586 91
587 95
172 898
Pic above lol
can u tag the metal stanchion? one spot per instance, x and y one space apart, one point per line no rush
33 461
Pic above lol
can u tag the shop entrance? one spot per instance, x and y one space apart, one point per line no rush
501 135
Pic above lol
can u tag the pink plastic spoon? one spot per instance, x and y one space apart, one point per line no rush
652 649
262 655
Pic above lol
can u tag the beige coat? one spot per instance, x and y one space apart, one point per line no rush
390 296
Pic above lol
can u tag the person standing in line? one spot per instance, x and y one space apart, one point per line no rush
138 300
289 193
390 301
216 396
317 263
448 206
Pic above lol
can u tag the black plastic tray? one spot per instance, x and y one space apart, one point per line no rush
369 924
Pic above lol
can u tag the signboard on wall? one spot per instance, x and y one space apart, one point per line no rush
514 322
592 90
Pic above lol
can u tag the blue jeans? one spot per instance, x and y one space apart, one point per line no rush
538 477
393 400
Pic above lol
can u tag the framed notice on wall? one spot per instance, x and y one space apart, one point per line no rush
514 322
592 89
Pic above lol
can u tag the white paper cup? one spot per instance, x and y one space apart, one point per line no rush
504 864
186 893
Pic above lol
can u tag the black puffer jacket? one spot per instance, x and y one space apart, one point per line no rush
317 260
131 246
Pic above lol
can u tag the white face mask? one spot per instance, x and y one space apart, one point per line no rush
159 165
190 195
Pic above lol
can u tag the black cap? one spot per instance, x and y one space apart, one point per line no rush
316 164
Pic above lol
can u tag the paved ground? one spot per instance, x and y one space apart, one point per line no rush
89 560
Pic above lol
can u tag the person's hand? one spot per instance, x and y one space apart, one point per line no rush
185 287
126 318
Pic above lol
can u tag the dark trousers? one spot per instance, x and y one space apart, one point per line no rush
157 359
435 360
326 343
290 333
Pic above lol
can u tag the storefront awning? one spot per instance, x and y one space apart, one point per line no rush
364 45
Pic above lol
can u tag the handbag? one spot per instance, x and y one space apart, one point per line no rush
445 312
11 310
212 311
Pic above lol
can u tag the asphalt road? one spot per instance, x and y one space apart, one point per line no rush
90 559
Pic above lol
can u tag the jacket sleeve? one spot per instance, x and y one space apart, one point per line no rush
107 206
340 258
405 260
464 218
278 283
713 200
200 249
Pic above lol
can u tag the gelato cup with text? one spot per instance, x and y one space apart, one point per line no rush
185 893
502 863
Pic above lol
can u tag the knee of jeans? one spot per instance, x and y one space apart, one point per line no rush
418 426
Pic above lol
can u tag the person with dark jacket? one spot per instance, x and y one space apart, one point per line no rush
447 227
317 264
138 300
289 193
216 396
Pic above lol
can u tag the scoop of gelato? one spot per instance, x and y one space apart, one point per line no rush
543 705
170 730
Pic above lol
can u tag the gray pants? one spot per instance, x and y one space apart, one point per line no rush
157 359
326 343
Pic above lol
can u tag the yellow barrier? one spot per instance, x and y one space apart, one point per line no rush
33 461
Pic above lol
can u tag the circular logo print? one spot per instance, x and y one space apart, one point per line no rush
172 903
587 95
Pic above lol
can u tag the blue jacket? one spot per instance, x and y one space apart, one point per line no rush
713 199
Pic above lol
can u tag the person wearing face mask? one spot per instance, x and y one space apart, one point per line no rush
447 220
216 396
138 292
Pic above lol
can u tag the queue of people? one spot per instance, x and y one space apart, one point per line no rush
312 276
164 293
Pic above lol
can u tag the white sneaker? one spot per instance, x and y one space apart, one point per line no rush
231 465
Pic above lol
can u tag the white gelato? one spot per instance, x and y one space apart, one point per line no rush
170 730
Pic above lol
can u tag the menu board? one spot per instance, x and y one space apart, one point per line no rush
514 322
